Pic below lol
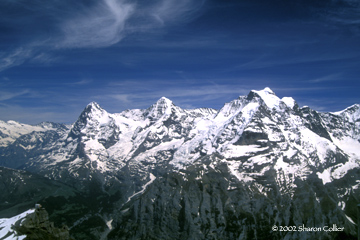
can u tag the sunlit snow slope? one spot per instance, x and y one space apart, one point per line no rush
259 143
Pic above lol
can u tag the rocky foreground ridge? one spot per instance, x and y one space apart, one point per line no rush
36 226
33 224
170 173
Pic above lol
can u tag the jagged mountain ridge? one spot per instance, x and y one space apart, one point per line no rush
32 224
257 143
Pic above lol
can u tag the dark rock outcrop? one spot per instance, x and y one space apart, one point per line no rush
36 226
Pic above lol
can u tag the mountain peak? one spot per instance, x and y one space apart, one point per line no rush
161 107
266 91
93 106
91 114
164 100
247 152
352 108
352 112
289 101
267 95
93 109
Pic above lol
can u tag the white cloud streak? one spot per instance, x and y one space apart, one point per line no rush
4 95
14 58
35 52
345 13
110 21
82 82
328 78
102 26
170 11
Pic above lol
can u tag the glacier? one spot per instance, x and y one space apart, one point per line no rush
259 155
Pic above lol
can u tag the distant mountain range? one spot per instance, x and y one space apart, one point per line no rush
261 167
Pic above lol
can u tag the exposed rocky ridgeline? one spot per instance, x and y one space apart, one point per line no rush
36 226
171 173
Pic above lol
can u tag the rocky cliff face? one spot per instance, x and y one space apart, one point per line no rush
36 226
170 173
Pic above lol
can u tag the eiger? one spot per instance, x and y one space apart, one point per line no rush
170 173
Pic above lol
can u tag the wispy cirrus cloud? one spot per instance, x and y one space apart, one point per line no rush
109 21
170 11
6 95
15 57
327 78
102 25
81 82
91 25
343 13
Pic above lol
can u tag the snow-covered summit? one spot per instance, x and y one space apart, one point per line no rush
163 106
257 156
164 99
266 90
289 101
94 111
93 108
271 100
268 96
11 130
257 142
166 133
352 112
91 118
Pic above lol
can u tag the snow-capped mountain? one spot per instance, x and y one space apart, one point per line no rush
11 130
259 161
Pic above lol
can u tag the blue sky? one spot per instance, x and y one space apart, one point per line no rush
57 56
